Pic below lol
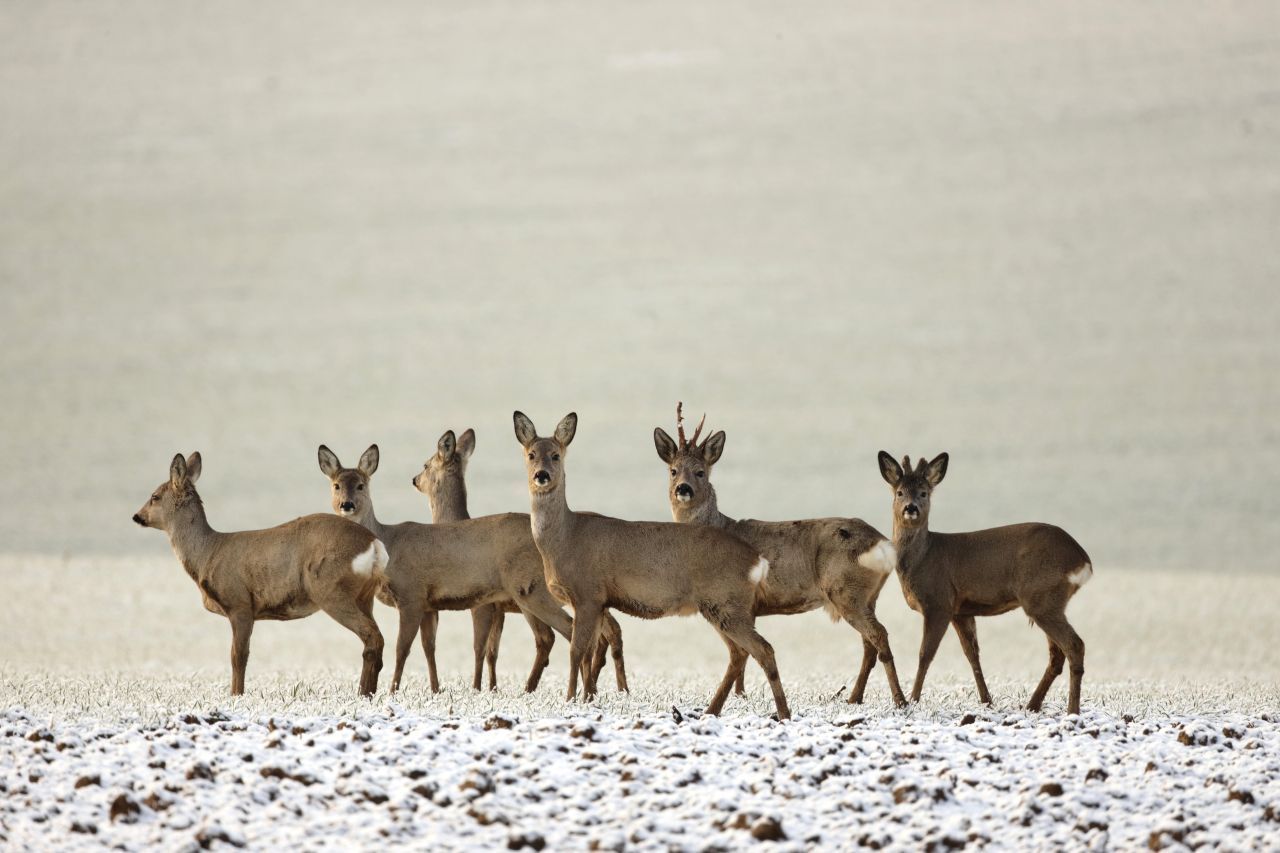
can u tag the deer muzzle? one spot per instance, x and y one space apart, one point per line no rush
684 492
542 478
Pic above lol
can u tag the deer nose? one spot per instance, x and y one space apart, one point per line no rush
347 506
542 478
137 519
684 490
911 511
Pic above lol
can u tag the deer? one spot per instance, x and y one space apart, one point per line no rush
449 566
316 562
647 569
951 578
839 564
443 481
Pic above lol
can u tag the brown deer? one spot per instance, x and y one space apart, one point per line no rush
648 569
317 562
443 480
450 566
837 563
950 578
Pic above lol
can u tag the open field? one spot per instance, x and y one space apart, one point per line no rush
117 694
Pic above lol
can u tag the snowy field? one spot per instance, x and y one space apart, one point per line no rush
119 731
304 763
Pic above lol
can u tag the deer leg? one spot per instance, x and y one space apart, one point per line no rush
410 622
740 684
1051 673
357 617
241 631
967 630
935 626
596 664
491 646
430 622
737 663
586 618
481 622
741 630
875 644
612 633
543 639
1065 638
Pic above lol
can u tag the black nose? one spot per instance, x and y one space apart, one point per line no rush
347 506
684 490
542 478
137 519
912 509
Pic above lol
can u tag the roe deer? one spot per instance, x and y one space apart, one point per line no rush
953 577
443 480
646 568
454 566
312 563
837 563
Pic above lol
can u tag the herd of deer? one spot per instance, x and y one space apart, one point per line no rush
729 571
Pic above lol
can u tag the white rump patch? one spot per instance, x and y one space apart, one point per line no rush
371 559
759 571
1081 576
881 557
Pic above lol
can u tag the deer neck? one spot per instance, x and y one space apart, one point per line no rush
912 544
369 521
449 502
191 537
551 520
706 513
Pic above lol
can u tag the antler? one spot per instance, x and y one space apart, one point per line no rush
680 427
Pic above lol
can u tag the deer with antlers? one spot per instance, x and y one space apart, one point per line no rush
840 564
648 569
950 578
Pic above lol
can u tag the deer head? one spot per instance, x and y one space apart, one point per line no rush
350 496
448 462
544 457
171 495
688 461
912 489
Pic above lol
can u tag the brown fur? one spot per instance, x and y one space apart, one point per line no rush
443 480
950 578
461 565
647 569
284 572
812 563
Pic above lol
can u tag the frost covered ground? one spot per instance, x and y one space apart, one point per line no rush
142 762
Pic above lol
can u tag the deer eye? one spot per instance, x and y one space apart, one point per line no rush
555 457
899 492
530 455
360 487
701 474
335 487
155 499
673 472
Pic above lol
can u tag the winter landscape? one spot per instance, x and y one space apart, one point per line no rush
1041 240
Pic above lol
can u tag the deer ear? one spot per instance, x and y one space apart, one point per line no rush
193 466
566 428
526 432
664 444
937 469
446 445
368 461
714 447
329 463
177 470
467 443
889 468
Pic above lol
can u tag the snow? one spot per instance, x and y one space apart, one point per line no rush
90 763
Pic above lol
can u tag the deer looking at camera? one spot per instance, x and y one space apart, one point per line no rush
317 562
443 480
950 578
645 568
837 563
451 566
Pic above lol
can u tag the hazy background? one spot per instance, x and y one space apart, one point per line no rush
1044 240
